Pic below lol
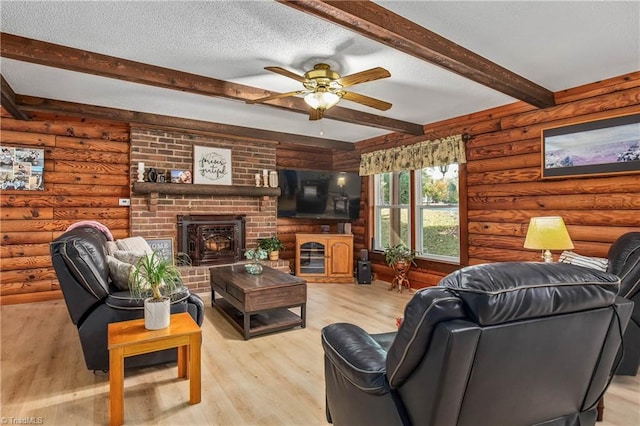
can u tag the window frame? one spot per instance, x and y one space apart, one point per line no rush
440 265
419 206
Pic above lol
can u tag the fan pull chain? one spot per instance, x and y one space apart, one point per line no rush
321 130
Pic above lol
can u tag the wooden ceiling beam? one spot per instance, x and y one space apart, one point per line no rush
377 23
30 103
68 58
8 101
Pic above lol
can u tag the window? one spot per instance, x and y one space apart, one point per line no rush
423 209
437 227
392 207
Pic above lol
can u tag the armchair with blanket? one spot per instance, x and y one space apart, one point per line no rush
520 343
93 300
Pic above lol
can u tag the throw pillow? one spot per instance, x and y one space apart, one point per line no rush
119 272
111 247
130 257
134 244
598 263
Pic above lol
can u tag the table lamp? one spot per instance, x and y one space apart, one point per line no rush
547 233
341 182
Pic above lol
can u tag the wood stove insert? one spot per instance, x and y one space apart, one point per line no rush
212 239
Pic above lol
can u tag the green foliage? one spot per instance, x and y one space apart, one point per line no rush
183 259
152 276
387 181
399 253
270 244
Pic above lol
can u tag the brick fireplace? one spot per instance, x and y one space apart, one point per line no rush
155 215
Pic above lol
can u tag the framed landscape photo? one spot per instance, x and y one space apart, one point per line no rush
598 147
211 166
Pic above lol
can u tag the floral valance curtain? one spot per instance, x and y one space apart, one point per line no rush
437 152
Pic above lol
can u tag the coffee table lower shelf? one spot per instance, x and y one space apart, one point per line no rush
261 322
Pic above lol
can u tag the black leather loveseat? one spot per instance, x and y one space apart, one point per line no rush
497 344
80 260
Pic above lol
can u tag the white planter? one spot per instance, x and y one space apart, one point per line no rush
156 314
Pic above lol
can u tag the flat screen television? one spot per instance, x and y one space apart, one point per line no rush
319 194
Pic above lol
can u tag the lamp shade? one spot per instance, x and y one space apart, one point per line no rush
547 233
321 100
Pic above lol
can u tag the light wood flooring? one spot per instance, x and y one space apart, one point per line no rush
275 379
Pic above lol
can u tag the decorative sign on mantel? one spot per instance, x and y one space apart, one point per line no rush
211 165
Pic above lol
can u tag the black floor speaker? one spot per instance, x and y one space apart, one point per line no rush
364 272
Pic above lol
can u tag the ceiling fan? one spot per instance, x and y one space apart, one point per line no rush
323 88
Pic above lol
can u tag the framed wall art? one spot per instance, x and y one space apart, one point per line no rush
21 168
162 246
598 147
211 165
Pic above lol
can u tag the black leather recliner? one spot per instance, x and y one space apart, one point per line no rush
624 261
79 259
519 343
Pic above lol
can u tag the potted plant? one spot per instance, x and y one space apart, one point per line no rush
400 258
256 255
271 245
154 279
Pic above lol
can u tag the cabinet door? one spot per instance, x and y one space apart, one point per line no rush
311 258
340 258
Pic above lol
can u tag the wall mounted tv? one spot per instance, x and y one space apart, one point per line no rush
319 194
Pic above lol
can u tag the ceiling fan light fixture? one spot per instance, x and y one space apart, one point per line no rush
321 100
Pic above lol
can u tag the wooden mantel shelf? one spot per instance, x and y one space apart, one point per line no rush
193 189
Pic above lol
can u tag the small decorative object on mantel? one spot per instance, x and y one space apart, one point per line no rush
258 180
180 176
256 255
152 174
265 178
141 172
273 179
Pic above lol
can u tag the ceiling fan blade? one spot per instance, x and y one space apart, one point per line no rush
315 114
286 73
364 76
366 100
276 96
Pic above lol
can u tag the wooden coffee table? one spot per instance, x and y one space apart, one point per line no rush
258 304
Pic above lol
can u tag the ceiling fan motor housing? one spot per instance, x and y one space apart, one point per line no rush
322 76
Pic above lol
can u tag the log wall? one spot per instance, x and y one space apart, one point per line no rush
504 185
86 172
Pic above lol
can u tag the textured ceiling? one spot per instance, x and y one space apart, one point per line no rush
557 45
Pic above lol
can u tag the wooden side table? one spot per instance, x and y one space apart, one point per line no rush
129 338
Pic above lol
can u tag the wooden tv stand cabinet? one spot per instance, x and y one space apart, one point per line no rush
325 257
